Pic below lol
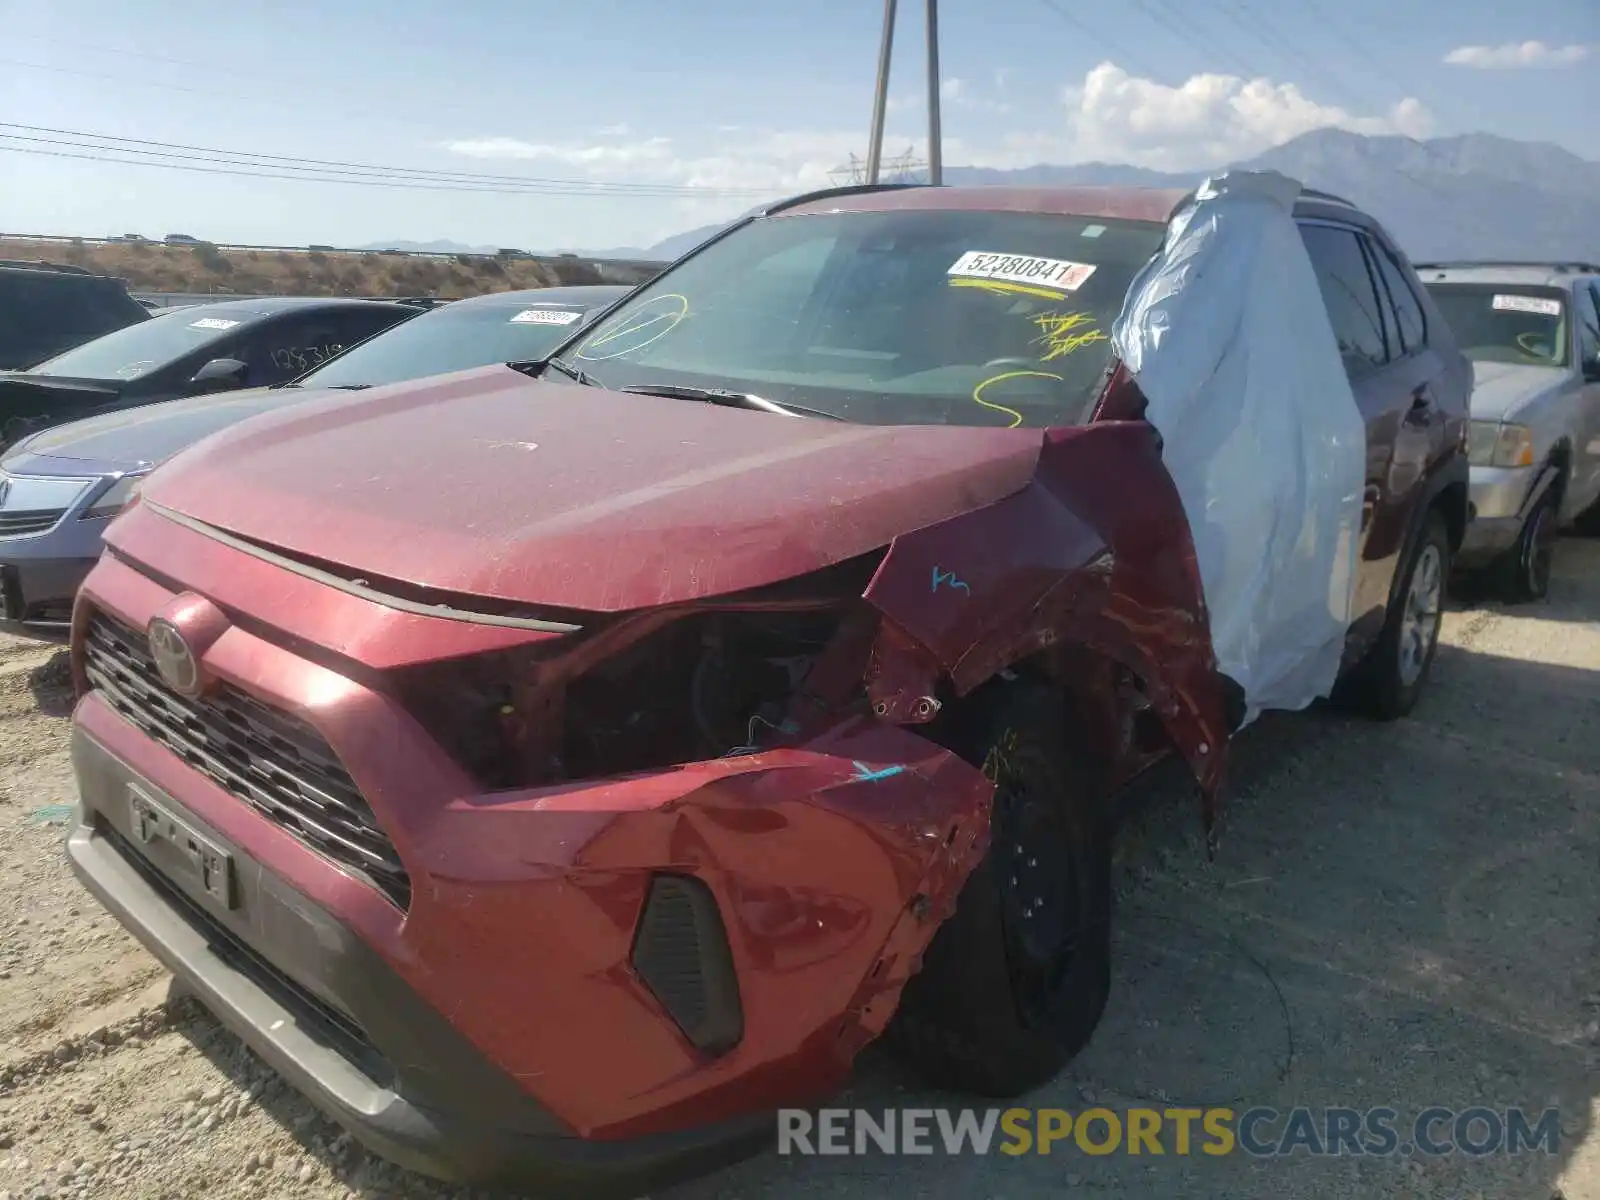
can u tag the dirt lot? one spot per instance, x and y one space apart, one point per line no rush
1402 916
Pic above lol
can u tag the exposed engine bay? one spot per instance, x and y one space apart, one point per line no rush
705 685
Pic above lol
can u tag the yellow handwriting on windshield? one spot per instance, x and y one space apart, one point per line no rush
658 315
1001 288
1063 333
1016 417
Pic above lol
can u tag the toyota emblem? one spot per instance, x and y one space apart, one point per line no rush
174 660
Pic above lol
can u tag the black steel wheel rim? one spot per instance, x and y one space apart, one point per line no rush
1040 902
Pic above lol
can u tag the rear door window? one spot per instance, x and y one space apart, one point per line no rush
1350 294
1403 301
283 349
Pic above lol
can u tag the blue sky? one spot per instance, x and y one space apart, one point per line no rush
717 103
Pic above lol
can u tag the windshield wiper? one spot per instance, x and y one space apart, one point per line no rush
347 387
576 374
728 399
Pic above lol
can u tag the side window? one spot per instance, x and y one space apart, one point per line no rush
1348 291
348 328
281 350
1408 313
1588 310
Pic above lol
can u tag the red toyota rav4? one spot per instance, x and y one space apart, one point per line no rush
553 768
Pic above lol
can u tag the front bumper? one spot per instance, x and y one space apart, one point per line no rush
362 1046
1501 499
36 592
518 932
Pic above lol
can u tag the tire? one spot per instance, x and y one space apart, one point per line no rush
1004 1000
1398 667
1523 572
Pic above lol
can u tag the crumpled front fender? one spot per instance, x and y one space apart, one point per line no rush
831 863
1095 550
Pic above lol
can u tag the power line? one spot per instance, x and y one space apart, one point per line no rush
576 189
1121 51
133 152
338 166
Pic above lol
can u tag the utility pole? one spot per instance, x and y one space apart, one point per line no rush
880 99
935 137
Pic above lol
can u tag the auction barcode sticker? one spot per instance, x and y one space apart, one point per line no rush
1020 268
212 323
545 316
1528 304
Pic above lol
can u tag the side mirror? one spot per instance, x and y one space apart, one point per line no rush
219 375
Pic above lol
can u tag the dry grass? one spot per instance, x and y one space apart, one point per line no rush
153 267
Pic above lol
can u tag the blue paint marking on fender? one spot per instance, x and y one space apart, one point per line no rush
865 774
948 578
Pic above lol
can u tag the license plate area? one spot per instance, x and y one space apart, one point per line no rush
193 858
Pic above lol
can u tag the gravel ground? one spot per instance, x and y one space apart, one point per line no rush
1400 915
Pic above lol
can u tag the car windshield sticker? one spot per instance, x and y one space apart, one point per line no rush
989 267
1528 304
212 323
545 316
1092 231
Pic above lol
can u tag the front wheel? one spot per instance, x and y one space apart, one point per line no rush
1014 983
1524 572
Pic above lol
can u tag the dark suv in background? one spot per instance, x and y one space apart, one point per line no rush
48 308
187 352
1413 386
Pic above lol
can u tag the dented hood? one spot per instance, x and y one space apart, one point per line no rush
488 483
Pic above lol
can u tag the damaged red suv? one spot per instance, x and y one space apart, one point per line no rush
551 769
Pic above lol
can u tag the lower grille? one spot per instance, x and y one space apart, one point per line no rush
332 1027
20 524
270 760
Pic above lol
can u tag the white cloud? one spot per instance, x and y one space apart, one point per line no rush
1207 120
1515 55
1113 116
614 131
739 160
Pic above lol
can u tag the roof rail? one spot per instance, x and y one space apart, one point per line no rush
849 189
39 264
1326 197
1556 265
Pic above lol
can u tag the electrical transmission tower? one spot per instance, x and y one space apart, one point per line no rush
903 168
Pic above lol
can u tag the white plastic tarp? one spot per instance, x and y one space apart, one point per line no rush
1228 337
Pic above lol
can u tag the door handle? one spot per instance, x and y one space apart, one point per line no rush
1369 504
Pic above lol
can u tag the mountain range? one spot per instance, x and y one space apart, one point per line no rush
1475 196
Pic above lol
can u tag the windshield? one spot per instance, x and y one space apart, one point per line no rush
453 338
901 317
1506 324
137 350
